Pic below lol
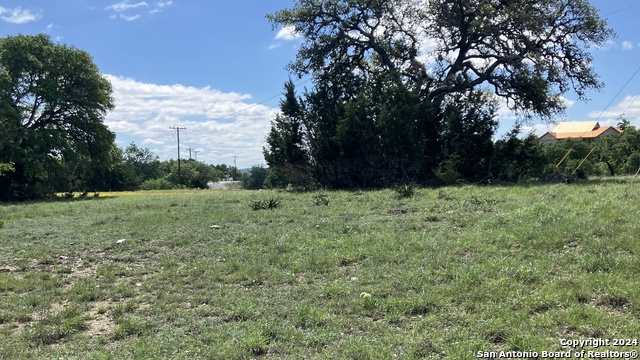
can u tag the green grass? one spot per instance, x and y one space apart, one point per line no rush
443 273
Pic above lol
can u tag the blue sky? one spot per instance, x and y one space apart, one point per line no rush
217 68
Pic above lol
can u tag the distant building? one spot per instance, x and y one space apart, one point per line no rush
585 130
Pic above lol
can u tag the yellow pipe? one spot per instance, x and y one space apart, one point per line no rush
565 156
583 160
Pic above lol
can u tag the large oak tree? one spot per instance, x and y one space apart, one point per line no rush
529 53
53 102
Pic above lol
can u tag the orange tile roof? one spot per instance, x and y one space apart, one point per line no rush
583 134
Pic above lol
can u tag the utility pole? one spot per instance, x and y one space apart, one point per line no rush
177 129
235 167
196 153
189 152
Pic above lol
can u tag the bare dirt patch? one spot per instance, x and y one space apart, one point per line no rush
101 321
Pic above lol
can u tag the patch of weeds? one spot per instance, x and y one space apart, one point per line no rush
405 190
47 260
424 349
394 316
64 269
321 199
36 300
130 326
368 302
85 290
613 301
442 195
496 336
121 309
335 290
308 316
9 283
256 342
122 291
111 270
242 312
598 263
269 204
54 327
23 265
1 224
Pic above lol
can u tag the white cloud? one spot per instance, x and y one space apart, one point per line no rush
134 11
124 5
148 141
162 4
537 129
219 124
629 107
287 33
627 45
18 15
607 45
129 18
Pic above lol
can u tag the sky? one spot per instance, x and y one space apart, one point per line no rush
216 69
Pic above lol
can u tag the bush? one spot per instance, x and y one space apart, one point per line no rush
156 184
405 190
269 204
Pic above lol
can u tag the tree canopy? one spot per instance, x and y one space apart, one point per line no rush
529 52
386 72
54 100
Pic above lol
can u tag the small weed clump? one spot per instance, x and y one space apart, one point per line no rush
269 204
321 199
405 190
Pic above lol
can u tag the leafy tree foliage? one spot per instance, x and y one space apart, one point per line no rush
518 160
143 163
52 107
388 75
620 153
469 124
579 163
193 174
255 179
286 153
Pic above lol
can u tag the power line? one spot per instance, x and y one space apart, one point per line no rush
235 167
254 105
632 101
177 129
612 100
621 10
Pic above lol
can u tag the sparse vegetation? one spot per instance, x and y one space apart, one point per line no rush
405 190
268 204
445 274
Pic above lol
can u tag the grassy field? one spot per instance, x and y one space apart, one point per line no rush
447 273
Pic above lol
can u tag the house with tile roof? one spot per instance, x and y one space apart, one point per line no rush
585 130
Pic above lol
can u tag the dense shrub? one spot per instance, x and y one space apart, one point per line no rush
156 184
